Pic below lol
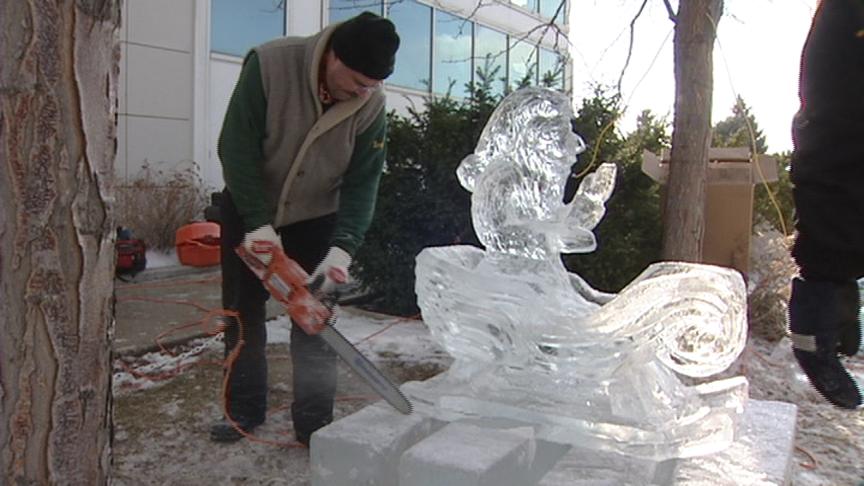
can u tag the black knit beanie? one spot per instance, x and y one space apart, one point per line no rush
367 44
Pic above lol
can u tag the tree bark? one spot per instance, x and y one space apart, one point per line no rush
58 92
684 209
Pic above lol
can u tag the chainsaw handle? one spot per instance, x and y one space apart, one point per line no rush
285 280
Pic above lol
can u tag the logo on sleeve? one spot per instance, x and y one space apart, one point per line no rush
378 144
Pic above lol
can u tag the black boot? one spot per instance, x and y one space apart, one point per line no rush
823 323
225 431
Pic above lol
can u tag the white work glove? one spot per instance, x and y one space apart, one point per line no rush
333 269
260 242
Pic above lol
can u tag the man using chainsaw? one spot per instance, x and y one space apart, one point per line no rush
302 149
828 177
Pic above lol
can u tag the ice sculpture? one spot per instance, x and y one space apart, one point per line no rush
535 344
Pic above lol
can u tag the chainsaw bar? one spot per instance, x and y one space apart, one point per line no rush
286 282
368 371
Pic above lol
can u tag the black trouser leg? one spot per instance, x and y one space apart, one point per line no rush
243 293
314 383
828 160
313 361
828 173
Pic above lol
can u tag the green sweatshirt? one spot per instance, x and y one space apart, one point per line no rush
242 154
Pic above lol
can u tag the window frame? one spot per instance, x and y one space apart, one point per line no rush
505 78
429 53
435 60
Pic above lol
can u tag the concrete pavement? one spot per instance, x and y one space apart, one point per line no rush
167 305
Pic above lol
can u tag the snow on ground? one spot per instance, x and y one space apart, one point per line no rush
830 442
375 335
138 372
158 259
378 336
161 426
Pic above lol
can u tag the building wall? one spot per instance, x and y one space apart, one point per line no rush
155 106
174 90
224 71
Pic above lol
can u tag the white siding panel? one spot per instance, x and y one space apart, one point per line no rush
163 144
159 82
162 23
303 17
122 89
401 100
124 21
120 162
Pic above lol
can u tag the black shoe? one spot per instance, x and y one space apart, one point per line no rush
849 340
225 431
830 379
308 419
302 438
823 323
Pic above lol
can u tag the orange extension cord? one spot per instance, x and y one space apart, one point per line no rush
227 364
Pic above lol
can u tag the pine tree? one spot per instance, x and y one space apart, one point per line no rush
630 235
739 130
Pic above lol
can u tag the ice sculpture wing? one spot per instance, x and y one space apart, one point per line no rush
587 209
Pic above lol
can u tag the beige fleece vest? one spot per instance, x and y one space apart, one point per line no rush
306 152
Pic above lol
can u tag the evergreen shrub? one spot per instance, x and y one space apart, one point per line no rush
422 204
420 200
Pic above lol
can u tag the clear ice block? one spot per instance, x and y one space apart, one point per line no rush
364 448
534 342
462 454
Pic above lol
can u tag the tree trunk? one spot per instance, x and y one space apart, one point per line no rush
684 210
58 91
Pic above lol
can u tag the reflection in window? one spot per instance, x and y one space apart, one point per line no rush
237 26
452 54
523 63
551 69
345 9
414 26
490 58
549 7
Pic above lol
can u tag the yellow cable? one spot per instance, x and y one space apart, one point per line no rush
750 131
752 134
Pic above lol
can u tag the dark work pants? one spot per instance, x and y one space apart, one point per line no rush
828 160
314 363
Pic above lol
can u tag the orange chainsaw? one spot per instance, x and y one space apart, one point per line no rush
315 313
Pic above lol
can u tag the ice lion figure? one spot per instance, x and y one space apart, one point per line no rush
535 344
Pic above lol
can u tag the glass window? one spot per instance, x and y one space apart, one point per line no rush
551 69
414 25
239 25
490 58
452 66
549 7
345 9
523 63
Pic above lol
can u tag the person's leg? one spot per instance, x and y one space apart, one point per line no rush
827 175
823 323
824 303
315 373
313 361
242 292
